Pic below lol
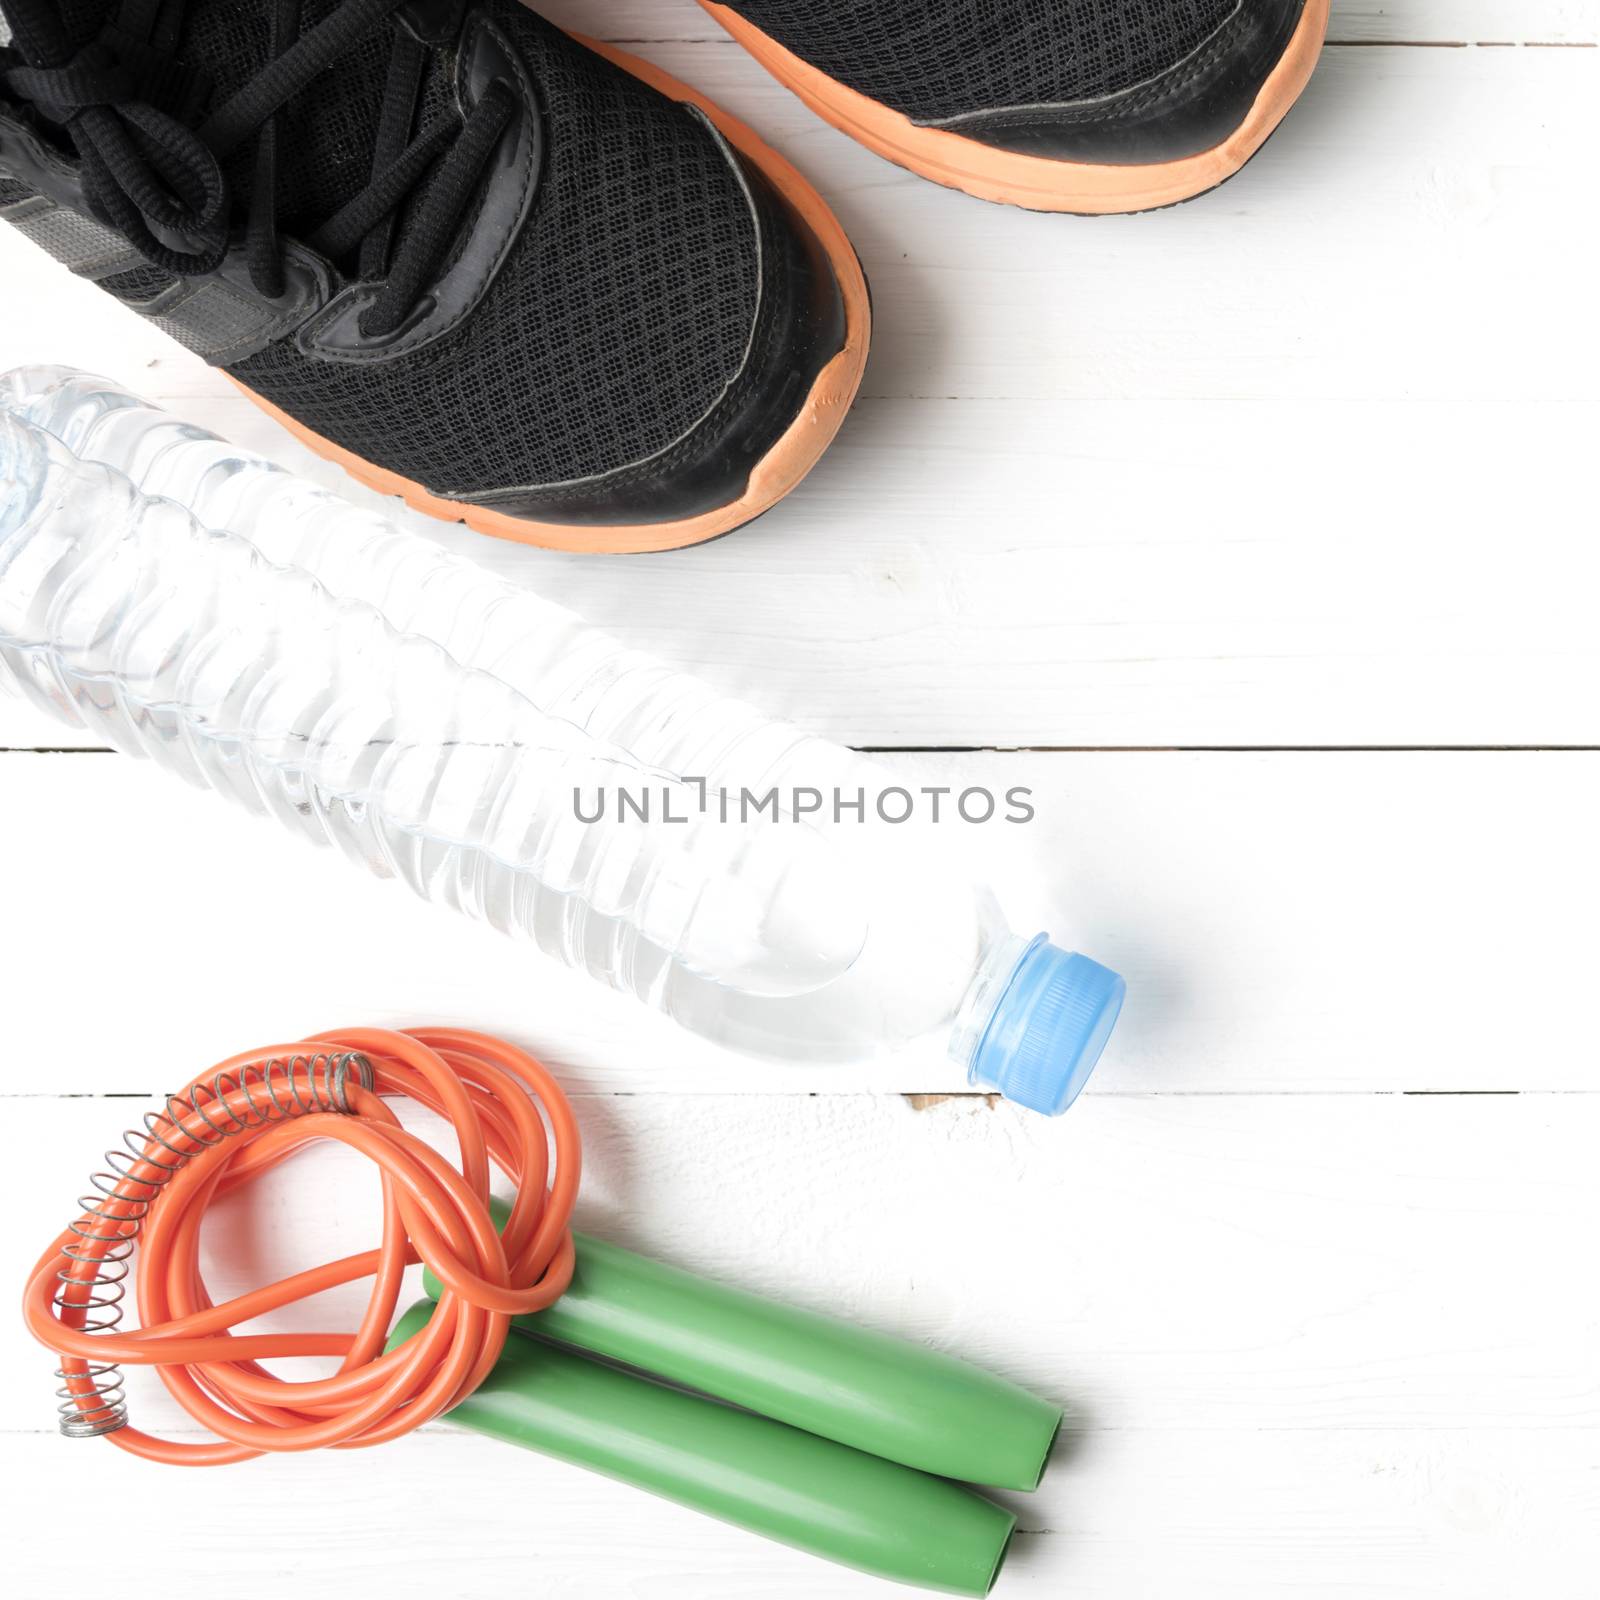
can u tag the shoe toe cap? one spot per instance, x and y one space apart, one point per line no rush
1191 107
800 324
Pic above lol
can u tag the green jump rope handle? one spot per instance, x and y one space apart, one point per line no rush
791 1486
885 1396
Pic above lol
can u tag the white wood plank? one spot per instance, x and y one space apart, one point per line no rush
1384 536
1470 1515
1286 922
1179 574
1328 1344
1144 602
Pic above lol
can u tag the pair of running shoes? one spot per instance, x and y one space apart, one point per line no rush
537 286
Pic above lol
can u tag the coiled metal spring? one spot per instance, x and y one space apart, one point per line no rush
93 1280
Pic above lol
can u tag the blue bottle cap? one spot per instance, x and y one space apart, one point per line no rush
1049 1028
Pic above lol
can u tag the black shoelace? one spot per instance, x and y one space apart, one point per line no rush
154 172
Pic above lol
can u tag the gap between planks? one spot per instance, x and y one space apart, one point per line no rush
1066 749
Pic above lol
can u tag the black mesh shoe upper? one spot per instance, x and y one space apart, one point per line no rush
625 309
652 270
934 60
1111 82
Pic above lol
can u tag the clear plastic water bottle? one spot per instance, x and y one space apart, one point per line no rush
668 718
789 928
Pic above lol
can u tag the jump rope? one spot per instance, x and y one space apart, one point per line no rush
836 1440
243 1118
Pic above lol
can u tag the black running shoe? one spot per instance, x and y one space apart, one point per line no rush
1056 105
525 282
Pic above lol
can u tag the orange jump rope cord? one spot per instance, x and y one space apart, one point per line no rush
236 1122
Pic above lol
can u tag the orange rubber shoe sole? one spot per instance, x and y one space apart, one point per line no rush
789 460
1034 182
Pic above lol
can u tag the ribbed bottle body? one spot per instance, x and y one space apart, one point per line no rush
187 646
667 718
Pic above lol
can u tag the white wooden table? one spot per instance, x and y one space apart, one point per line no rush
1259 538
